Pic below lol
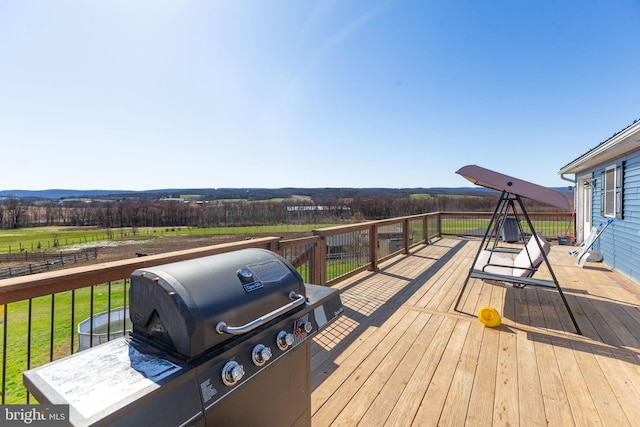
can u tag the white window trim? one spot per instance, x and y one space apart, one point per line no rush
616 193
609 192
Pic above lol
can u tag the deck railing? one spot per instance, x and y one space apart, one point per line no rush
40 313
551 225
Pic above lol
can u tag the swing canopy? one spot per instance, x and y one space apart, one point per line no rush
497 181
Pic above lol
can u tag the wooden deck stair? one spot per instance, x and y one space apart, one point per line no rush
402 356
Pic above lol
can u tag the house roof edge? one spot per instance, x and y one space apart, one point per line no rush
622 142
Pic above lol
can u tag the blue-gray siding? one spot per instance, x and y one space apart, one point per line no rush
620 243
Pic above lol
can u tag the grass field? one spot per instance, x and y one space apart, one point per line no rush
55 238
48 238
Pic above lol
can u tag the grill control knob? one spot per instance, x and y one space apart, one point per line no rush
284 340
303 328
306 327
261 355
232 373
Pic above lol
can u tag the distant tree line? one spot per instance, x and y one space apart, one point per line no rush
17 213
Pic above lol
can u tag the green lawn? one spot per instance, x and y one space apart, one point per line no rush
55 238
49 238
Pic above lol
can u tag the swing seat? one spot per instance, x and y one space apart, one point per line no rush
502 270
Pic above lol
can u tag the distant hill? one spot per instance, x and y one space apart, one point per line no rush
316 194
56 194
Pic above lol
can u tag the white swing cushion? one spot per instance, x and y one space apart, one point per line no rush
520 266
523 262
499 264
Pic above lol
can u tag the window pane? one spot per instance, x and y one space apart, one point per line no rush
609 180
609 192
608 205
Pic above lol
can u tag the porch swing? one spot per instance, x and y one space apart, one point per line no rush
491 264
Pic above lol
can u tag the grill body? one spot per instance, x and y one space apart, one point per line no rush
178 306
222 340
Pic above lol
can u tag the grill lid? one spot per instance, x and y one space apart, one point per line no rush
190 307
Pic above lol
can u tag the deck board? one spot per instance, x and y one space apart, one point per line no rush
411 397
386 399
401 356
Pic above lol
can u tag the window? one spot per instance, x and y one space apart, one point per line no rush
610 192
611 185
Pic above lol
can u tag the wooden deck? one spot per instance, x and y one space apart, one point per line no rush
402 356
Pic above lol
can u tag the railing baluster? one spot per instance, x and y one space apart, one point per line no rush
29 340
124 303
91 318
53 323
108 311
73 318
5 325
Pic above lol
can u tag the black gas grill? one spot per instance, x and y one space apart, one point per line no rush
220 340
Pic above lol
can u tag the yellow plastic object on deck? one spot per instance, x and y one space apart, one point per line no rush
489 316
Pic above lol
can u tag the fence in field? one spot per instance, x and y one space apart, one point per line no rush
42 261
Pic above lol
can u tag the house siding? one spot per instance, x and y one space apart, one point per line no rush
620 243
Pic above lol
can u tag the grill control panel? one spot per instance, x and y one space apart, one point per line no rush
250 355
299 329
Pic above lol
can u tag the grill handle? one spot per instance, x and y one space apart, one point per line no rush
223 328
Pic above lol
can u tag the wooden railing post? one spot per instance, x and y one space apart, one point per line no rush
405 235
425 229
314 276
320 261
373 247
273 246
279 248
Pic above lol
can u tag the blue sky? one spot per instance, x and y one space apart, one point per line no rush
144 94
